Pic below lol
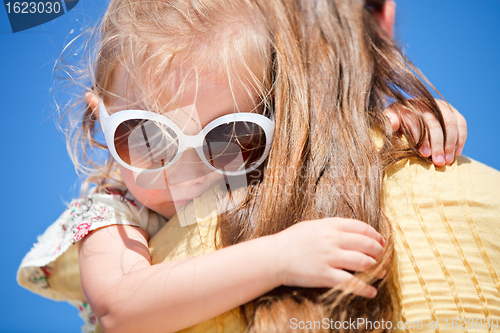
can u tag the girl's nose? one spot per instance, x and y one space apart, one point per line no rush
188 170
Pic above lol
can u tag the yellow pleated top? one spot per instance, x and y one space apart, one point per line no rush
446 224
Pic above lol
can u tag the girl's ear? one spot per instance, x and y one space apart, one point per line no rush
387 16
93 102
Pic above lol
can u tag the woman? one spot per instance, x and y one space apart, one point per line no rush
440 221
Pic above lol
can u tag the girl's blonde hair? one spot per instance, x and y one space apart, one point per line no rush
160 44
328 70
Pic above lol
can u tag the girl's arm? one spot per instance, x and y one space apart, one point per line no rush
128 294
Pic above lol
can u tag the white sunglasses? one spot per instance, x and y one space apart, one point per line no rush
144 141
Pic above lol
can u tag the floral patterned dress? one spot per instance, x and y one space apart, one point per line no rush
50 268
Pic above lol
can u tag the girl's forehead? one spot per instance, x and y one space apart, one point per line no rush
204 97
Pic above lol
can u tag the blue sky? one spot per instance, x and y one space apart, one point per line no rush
456 43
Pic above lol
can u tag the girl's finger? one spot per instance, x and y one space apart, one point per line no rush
356 226
343 280
361 244
450 118
353 261
393 118
425 148
436 138
411 121
414 128
398 115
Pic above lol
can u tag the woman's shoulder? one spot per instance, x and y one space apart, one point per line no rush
465 176
445 225
417 184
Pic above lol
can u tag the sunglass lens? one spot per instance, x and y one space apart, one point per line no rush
145 144
235 146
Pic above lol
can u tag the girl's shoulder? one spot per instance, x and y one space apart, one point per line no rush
50 268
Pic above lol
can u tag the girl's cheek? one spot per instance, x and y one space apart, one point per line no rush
147 197
138 192
128 177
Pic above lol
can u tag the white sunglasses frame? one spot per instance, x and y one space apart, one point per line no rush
109 124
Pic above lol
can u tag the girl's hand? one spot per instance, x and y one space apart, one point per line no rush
317 253
456 131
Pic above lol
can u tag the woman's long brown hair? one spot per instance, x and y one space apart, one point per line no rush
334 71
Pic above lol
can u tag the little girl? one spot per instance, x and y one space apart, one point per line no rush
175 75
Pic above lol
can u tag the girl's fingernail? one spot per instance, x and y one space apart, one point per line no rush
449 158
440 160
458 152
426 152
383 242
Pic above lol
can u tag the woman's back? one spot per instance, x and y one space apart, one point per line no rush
446 239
